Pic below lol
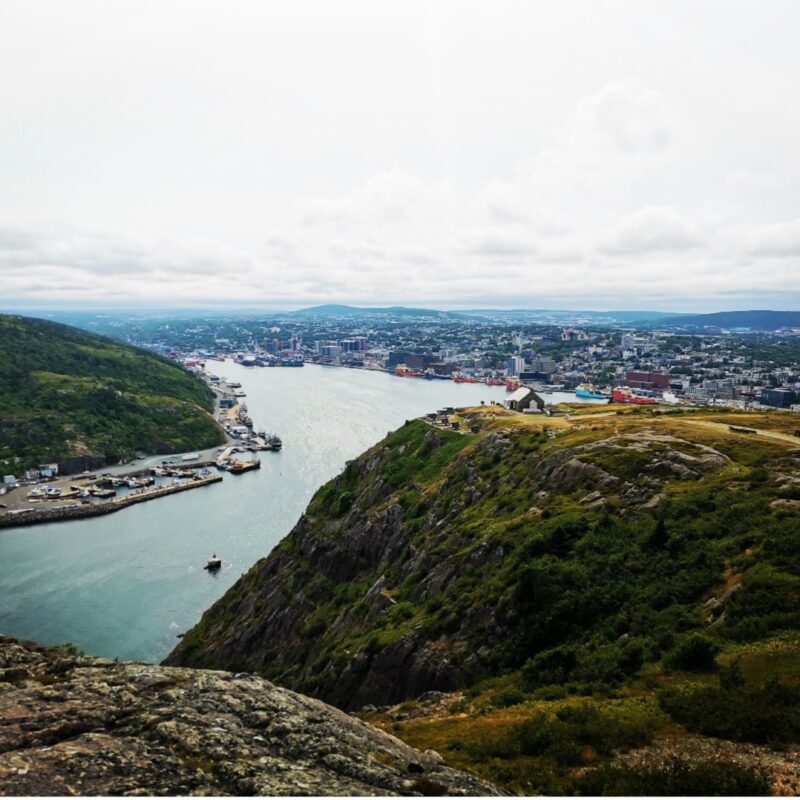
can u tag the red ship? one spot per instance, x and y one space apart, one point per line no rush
512 384
459 378
402 371
622 394
494 382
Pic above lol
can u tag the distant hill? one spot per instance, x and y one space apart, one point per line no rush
66 393
755 320
335 310
568 316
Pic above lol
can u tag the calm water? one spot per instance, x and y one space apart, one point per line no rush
124 585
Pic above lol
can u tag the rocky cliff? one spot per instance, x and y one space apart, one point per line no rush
74 725
575 550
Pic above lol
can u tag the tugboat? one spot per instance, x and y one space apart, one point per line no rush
213 564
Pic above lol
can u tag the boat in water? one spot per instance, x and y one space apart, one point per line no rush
402 371
213 564
588 391
459 378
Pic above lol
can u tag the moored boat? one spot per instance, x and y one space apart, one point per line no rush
624 394
586 390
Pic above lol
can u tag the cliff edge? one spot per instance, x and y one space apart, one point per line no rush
75 725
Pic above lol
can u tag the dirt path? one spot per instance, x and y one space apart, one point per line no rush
724 428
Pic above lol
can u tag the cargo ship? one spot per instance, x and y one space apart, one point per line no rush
623 394
588 391
402 371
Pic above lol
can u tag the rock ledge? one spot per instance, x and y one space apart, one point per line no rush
75 725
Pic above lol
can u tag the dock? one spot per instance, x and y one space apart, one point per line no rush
38 516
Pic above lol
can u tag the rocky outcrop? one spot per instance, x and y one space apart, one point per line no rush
74 725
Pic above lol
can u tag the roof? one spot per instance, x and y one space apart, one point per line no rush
519 394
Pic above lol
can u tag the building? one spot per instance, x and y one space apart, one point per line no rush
523 398
515 365
778 398
411 360
654 381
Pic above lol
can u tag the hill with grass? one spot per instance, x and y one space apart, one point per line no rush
66 393
539 596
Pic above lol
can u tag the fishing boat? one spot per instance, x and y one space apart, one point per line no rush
588 391
213 564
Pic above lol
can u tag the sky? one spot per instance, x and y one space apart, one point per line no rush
564 154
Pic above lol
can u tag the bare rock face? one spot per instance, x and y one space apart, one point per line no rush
74 725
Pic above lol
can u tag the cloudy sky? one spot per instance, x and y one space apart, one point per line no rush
457 154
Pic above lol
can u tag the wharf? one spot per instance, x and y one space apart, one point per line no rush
38 516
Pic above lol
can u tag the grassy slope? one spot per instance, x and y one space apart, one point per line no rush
596 606
65 392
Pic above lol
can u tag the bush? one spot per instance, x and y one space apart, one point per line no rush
693 652
343 504
769 713
710 778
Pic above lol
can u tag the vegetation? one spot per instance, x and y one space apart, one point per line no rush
597 583
66 393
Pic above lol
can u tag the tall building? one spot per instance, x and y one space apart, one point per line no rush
515 365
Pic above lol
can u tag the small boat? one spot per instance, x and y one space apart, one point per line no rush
213 564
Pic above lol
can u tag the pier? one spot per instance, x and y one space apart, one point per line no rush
38 516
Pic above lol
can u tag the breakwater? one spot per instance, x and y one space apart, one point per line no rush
37 516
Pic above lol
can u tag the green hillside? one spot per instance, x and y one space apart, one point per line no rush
65 393
619 580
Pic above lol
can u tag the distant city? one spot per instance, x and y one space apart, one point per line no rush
747 359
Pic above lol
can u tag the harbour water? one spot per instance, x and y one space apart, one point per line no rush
125 585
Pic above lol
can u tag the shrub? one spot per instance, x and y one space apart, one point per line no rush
768 713
343 504
710 778
693 652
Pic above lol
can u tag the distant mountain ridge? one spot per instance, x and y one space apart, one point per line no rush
334 309
760 320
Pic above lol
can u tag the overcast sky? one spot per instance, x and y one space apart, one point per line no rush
457 154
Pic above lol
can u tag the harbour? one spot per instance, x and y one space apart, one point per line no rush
125 585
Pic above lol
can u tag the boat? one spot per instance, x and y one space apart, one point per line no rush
588 391
238 467
213 564
512 384
624 394
402 371
459 378
494 382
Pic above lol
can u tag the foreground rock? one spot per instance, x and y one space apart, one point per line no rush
74 725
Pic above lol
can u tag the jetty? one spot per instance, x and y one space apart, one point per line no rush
37 516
